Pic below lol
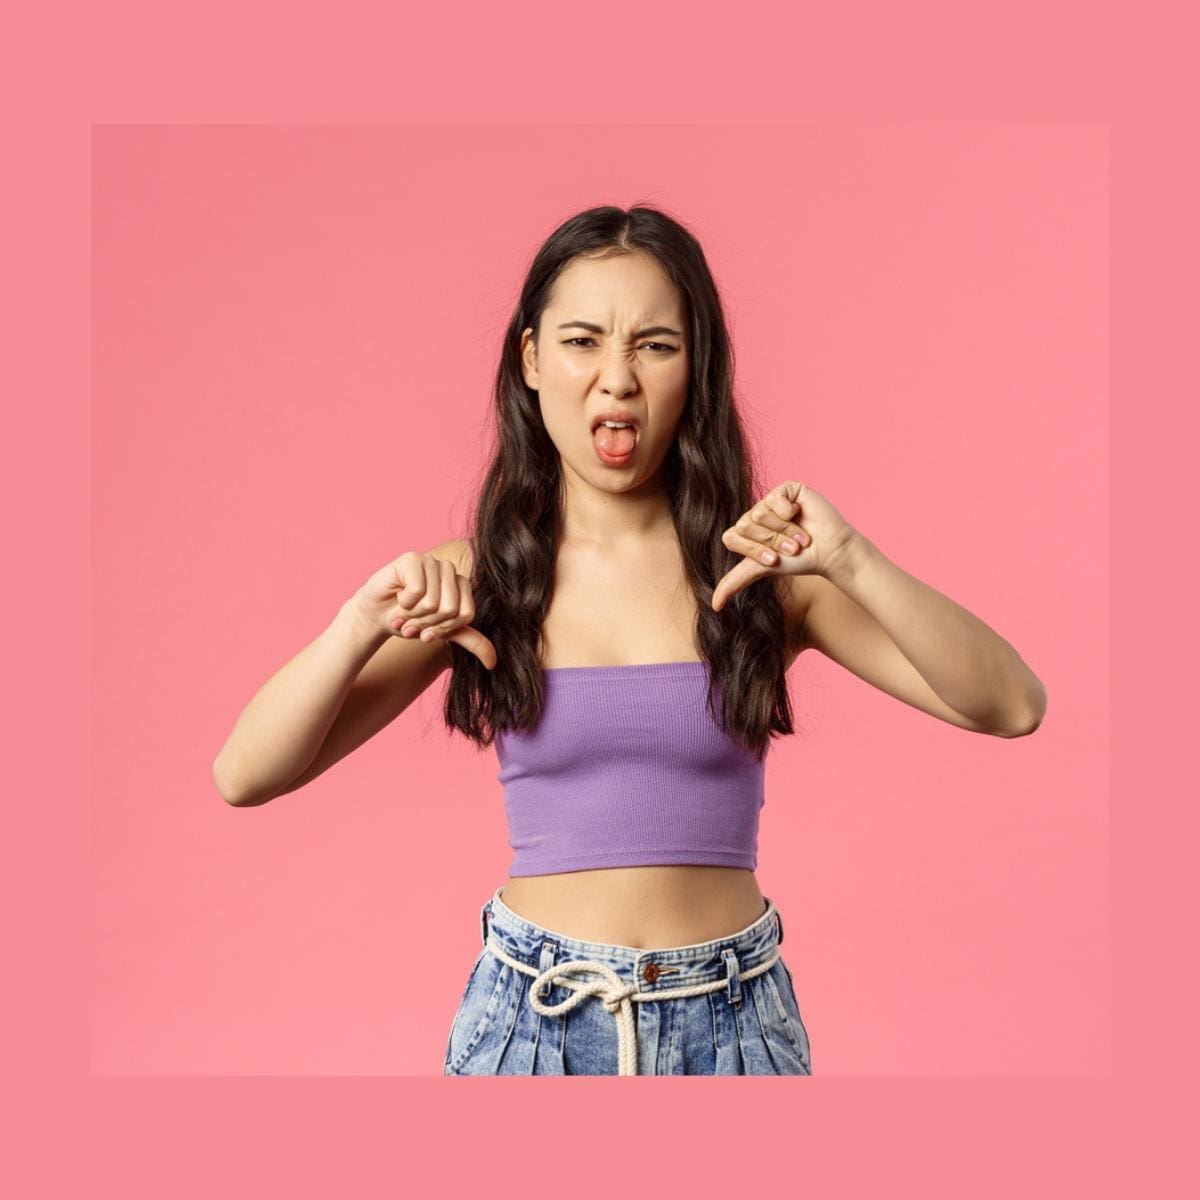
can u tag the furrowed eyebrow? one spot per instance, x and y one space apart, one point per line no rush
650 329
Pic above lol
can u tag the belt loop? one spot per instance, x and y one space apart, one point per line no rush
733 987
545 962
779 921
483 921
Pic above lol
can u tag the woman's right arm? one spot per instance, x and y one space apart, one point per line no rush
340 690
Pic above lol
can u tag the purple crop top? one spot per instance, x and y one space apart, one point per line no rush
627 768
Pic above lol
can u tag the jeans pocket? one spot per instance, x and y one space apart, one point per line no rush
480 1003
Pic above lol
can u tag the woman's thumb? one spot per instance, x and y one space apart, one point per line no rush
469 638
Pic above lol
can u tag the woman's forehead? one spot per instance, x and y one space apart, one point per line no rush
628 286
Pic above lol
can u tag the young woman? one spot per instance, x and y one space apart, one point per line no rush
619 626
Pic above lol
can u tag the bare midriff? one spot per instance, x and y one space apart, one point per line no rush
648 908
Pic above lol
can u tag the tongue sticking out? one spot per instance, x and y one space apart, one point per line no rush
614 441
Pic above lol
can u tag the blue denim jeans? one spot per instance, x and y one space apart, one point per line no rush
539 1003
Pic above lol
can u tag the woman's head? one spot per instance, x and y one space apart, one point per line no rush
624 273
611 340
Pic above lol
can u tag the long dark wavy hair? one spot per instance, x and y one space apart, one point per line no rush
710 482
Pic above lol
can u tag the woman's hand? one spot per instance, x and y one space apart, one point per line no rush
421 595
792 530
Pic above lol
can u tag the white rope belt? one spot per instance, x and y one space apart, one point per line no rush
616 996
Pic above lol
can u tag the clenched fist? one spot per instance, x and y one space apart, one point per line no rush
792 530
422 595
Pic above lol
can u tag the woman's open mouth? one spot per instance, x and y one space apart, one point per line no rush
615 442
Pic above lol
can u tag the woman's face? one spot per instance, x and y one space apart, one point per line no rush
613 338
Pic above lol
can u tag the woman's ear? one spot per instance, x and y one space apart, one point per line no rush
529 359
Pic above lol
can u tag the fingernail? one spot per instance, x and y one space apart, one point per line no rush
428 635
768 556
789 546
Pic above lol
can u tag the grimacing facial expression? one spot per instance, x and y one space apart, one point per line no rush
613 337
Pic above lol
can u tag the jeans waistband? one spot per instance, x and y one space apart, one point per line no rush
699 962
620 976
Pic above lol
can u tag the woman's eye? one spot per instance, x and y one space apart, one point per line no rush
661 345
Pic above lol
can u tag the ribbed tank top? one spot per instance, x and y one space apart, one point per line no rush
627 768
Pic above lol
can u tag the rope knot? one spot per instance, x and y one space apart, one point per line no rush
615 996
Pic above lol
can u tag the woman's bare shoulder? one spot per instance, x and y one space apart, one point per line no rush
798 595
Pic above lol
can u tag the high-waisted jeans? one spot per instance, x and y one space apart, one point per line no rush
539 1003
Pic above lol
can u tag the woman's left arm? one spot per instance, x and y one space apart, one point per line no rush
879 621
970 666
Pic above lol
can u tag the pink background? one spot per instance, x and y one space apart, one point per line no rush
294 335
74 1130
